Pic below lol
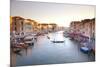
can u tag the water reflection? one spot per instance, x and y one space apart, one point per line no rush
46 52
28 50
19 54
13 59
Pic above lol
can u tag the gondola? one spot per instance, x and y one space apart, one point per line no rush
58 41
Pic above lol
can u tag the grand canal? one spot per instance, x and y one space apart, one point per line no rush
45 51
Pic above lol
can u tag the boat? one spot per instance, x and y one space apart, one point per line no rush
16 50
58 41
48 37
85 50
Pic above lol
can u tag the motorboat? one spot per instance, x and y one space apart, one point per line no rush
29 40
85 49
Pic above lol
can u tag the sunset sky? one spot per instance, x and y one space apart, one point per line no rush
59 13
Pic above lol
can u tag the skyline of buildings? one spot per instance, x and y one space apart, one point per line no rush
20 24
59 13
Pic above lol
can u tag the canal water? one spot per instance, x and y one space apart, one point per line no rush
46 52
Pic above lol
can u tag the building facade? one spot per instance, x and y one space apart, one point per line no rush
17 24
83 30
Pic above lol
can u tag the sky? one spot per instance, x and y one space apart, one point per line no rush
59 13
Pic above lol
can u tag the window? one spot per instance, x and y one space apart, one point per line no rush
15 29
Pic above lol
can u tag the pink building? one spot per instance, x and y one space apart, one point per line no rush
85 28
